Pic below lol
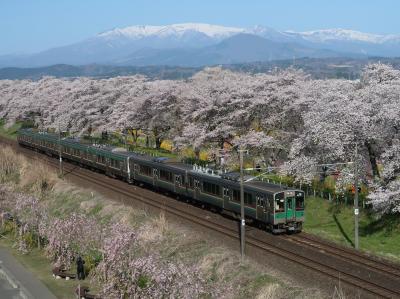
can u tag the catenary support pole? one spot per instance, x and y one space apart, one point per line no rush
356 210
242 217
59 149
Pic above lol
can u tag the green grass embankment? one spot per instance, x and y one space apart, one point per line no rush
9 132
335 222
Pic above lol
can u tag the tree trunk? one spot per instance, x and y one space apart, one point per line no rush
197 153
372 159
157 138
134 133
158 142
147 141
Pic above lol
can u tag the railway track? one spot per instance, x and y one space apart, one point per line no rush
347 254
293 254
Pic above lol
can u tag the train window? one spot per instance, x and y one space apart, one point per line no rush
190 182
280 202
146 170
226 192
260 200
268 204
279 205
299 201
101 159
114 163
236 195
155 174
248 199
211 188
178 180
289 203
197 184
166 175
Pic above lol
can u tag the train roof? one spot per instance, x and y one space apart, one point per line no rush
273 188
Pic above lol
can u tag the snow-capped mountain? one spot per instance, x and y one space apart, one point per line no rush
350 41
175 30
322 36
194 43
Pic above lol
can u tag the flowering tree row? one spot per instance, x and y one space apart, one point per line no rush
281 117
121 264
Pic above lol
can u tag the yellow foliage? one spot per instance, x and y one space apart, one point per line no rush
248 164
188 152
203 155
166 145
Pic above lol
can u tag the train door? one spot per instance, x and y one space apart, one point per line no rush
260 207
196 189
155 177
178 183
135 170
226 197
290 207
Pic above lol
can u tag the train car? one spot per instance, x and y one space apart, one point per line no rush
277 208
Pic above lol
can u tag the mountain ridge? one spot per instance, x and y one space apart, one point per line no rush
118 46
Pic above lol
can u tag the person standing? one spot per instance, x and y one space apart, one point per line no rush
80 269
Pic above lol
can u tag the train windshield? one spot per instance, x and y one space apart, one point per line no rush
280 202
299 201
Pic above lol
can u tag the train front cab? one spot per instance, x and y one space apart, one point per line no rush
288 211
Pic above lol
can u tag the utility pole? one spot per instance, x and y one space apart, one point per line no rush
59 149
242 216
356 210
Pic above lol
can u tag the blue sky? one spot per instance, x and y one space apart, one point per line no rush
32 25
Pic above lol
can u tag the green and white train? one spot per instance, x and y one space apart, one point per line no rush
274 207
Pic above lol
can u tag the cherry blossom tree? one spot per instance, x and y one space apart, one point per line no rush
127 271
283 116
74 235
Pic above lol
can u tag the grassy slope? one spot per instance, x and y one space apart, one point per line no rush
220 265
336 222
10 132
